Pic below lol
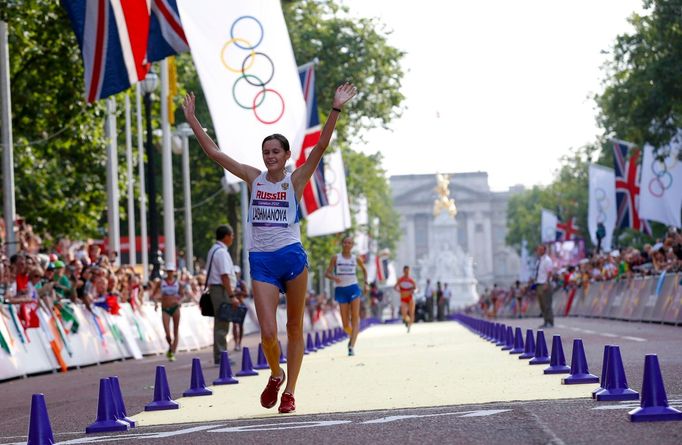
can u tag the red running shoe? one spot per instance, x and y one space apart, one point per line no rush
268 397
288 404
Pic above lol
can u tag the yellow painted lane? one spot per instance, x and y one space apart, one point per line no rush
436 364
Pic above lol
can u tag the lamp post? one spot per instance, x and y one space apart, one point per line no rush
184 131
149 84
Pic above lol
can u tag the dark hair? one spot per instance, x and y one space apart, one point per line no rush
222 231
282 140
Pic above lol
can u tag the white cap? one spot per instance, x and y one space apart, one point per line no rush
237 269
170 266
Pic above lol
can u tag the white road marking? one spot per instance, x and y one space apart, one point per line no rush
603 334
280 426
634 339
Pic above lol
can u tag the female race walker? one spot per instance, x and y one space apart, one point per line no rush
407 287
169 291
276 256
343 270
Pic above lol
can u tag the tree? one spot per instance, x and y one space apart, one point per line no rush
642 99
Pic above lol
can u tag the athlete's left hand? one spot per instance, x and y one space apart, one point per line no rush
343 94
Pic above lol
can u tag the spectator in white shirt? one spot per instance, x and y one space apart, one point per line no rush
543 290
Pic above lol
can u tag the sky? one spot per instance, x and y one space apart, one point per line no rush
501 86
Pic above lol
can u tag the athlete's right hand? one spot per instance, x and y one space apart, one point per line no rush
188 105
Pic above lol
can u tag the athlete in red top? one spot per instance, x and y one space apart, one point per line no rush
407 287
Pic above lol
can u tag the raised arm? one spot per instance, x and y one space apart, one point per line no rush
242 171
302 174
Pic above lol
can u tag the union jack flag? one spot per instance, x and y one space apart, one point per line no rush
627 171
112 35
567 231
166 36
314 193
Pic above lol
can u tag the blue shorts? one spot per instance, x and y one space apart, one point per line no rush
279 266
346 294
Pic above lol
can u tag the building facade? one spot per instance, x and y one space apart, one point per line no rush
481 224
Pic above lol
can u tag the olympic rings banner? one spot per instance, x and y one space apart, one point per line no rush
246 65
660 195
602 203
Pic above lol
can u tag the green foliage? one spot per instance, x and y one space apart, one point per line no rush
642 100
59 150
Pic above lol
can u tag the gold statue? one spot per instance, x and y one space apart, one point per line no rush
444 202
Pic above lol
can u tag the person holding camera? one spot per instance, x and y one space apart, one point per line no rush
220 282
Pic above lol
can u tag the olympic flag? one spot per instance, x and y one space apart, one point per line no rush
548 226
660 196
335 216
248 73
601 207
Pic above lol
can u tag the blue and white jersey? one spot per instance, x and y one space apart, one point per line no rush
273 214
346 270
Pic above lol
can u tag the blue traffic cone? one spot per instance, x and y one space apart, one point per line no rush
529 349
309 345
282 357
654 405
106 411
541 355
225 373
509 339
162 395
518 342
579 370
121 412
604 365
318 342
197 386
333 337
325 338
247 367
261 361
557 361
615 383
39 428
501 335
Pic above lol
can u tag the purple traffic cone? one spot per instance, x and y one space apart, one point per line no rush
579 369
654 406
529 349
106 412
39 428
225 374
615 383
541 355
309 345
501 335
247 367
604 365
197 386
282 357
162 395
509 339
557 361
261 361
121 412
518 342
327 337
318 342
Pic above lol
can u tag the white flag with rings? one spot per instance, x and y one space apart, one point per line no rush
601 208
660 190
243 54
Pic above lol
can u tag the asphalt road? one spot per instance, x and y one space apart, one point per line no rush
72 403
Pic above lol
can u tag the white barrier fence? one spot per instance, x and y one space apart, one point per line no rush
102 337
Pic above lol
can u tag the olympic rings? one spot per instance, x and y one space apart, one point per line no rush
333 196
222 55
244 17
661 168
262 92
247 64
602 204
234 91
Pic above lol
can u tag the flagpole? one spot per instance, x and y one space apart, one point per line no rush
143 191
9 210
112 181
132 251
167 171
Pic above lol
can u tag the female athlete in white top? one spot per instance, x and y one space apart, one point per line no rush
343 270
275 239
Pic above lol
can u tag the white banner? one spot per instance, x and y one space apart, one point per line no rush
248 73
334 217
660 193
548 226
602 204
